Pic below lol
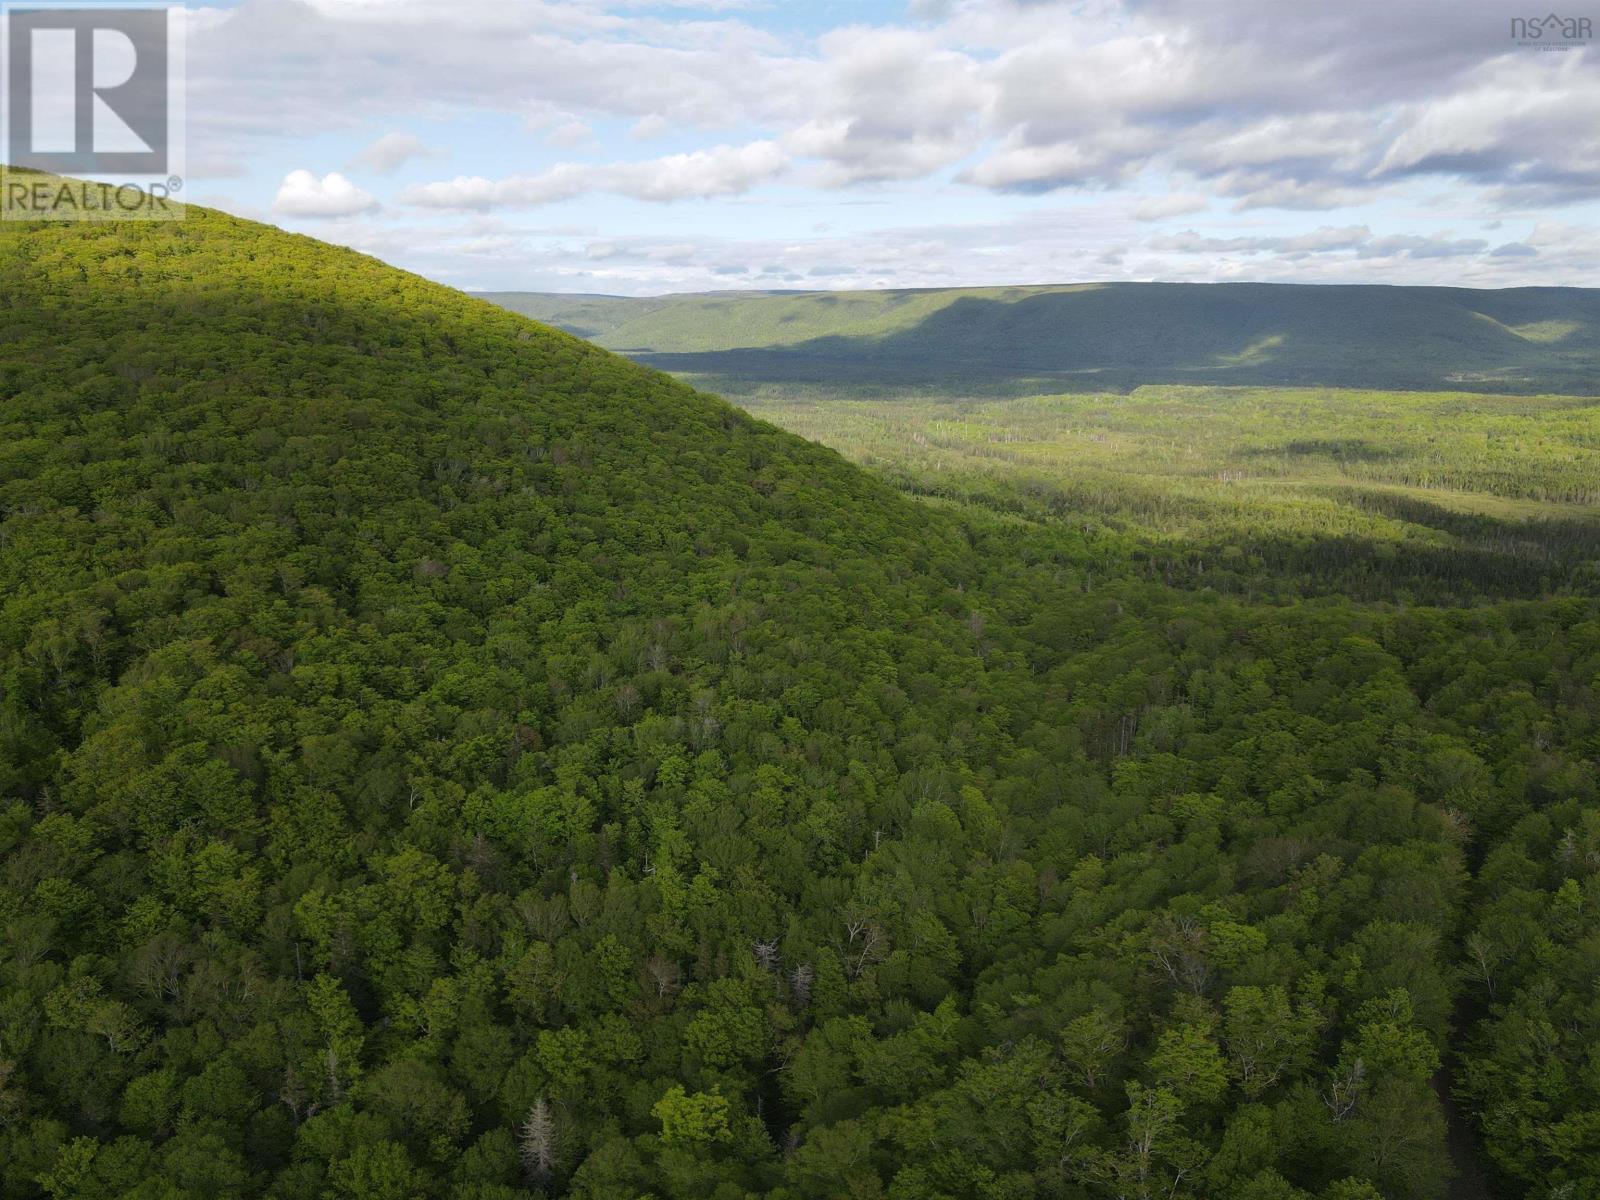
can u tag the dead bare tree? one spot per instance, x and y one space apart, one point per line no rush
1178 946
866 945
800 984
292 1095
1345 1092
1482 957
335 1087
665 974
537 1141
766 955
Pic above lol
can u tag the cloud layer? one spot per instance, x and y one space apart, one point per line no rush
1225 108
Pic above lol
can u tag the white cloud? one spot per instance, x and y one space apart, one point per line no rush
719 171
1262 189
1350 240
570 133
1049 167
391 151
648 127
271 69
1337 138
889 104
1313 114
1173 204
302 194
1527 135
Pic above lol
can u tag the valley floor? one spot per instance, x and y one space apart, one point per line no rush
1459 495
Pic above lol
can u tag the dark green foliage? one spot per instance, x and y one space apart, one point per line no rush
439 758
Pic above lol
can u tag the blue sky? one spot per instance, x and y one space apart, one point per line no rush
634 148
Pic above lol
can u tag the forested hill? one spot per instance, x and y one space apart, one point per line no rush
1107 336
439 758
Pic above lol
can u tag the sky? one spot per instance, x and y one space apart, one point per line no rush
637 147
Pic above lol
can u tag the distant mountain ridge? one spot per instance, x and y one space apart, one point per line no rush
1109 336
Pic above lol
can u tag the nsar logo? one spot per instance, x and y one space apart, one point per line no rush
1552 31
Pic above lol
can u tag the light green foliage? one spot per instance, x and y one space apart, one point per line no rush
1187 1062
695 1118
1264 491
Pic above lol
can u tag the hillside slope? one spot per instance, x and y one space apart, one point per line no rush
1115 335
439 758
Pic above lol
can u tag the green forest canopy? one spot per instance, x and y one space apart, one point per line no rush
440 758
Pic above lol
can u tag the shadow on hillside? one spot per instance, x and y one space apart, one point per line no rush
1520 564
1122 335
1343 449
1479 556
